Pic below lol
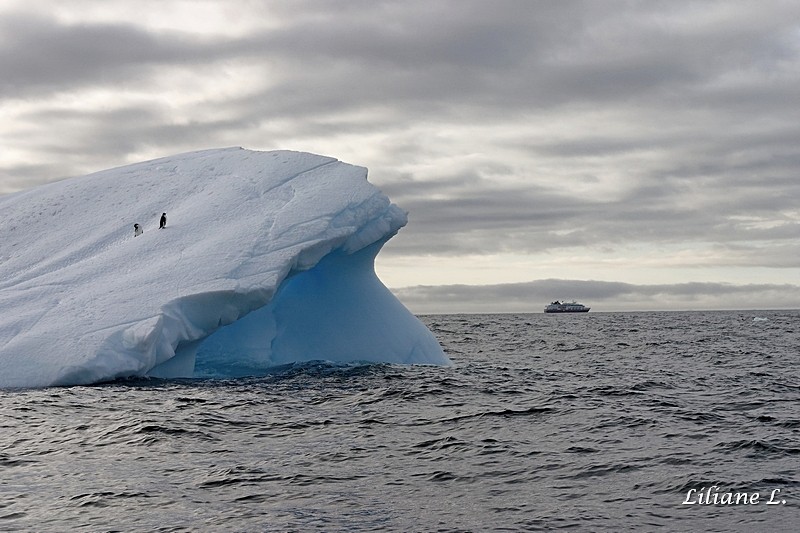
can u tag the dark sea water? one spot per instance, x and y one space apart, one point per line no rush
591 422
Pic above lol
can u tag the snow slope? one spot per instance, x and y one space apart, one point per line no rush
267 258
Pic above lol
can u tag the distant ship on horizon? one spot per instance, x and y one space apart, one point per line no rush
566 307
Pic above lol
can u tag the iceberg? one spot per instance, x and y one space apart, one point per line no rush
267 258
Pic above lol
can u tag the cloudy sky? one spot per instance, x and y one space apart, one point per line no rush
631 155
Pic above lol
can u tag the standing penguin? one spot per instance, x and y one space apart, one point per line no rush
163 223
137 230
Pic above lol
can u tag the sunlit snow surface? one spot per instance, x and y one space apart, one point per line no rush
267 258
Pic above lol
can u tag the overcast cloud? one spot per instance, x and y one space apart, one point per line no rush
651 147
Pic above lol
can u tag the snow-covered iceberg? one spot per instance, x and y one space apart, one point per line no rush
266 259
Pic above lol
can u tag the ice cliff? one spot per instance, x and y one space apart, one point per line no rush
266 259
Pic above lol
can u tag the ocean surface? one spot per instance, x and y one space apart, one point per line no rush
590 422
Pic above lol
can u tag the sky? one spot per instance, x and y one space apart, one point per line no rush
631 155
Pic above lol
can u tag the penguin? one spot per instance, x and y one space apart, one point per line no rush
163 223
137 230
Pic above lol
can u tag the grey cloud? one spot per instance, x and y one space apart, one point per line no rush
424 59
477 219
414 36
37 54
502 55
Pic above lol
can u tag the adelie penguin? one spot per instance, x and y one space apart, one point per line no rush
137 230
163 223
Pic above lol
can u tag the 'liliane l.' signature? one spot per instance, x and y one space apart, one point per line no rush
713 496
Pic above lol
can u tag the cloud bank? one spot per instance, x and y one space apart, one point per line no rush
531 297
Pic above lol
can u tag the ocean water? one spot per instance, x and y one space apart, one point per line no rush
590 422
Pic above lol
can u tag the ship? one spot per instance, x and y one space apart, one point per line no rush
566 307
